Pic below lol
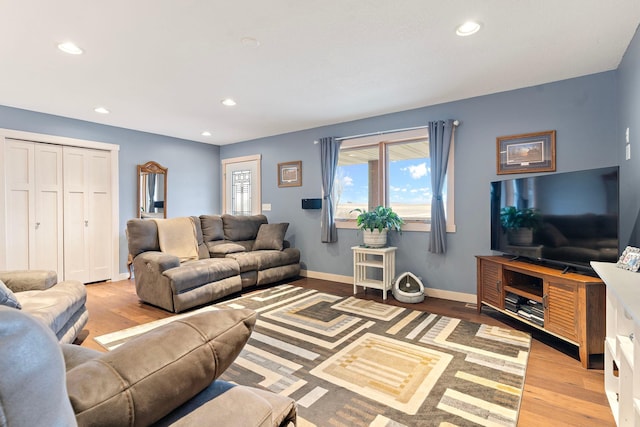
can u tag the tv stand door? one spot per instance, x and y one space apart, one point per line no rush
490 288
561 309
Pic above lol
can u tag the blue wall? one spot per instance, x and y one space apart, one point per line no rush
589 113
194 168
628 91
575 108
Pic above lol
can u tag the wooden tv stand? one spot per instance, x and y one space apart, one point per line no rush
573 304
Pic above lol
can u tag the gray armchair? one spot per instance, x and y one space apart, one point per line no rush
59 305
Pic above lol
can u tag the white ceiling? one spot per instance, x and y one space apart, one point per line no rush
163 66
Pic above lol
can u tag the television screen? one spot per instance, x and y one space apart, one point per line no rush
573 217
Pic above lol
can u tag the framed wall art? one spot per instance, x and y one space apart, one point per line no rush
528 152
290 174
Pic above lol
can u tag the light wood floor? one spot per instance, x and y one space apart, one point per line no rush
558 391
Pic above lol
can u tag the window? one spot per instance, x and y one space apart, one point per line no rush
391 170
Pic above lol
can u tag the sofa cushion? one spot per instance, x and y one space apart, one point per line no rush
203 251
221 249
197 273
247 261
142 236
271 259
172 364
226 401
212 227
55 306
7 297
242 227
29 280
270 236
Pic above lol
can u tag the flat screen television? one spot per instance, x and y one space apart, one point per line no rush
576 217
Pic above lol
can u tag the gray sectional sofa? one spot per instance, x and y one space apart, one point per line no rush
229 253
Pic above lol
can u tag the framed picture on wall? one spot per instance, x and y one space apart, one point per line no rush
528 152
290 174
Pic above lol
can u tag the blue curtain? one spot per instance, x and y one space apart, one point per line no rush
329 150
440 138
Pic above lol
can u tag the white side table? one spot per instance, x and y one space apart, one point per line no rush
377 258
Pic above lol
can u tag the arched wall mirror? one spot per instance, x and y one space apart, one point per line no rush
152 191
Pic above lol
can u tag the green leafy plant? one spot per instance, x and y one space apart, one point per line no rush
379 219
512 218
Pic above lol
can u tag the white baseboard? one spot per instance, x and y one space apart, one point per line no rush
434 293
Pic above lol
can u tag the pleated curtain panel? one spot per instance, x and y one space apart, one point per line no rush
329 150
441 135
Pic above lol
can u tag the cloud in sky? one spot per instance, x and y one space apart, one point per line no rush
417 171
347 181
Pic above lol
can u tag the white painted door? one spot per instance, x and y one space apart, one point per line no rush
87 208
241 186
48 250
34 207
20 209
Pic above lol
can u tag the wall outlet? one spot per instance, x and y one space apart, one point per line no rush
266 207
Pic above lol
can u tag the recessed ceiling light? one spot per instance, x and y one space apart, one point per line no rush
101 110
70 48
228 102
468 28
206 133
249 42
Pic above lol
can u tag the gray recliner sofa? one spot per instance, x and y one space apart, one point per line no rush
58 305
165 377
232 253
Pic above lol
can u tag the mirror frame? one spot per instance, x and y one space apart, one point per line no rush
152 167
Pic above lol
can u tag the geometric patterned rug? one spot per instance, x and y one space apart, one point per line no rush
353 362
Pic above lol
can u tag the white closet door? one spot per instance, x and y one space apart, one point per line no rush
20 203
87 221
99 210
34 206
47 253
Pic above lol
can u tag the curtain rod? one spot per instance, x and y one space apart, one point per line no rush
455 123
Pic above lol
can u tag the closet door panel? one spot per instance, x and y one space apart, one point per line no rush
18 231
76 258
87 207
99 208
20 203
47 253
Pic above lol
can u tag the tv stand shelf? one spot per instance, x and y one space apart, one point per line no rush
573 305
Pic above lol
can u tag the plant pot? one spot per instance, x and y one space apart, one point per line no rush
520 237
375 238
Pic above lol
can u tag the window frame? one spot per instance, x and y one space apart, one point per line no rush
384 140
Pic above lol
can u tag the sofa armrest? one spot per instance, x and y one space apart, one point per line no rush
159 261
29 280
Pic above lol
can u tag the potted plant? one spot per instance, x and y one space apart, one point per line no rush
376 223
519 224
